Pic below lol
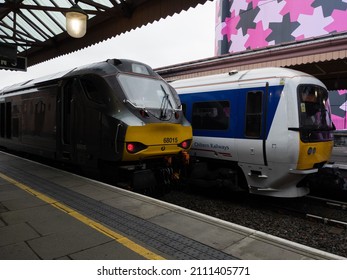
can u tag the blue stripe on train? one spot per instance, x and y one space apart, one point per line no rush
237 99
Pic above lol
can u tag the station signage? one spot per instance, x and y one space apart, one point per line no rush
20 64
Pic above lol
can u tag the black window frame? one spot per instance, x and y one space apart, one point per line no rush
219 122
254 114
97 95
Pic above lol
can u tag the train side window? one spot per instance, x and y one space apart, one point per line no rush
212 115
92 90
8 119
254 114
15 121
15 127
2 120
184 108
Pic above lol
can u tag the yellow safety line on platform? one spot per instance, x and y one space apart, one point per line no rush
95 225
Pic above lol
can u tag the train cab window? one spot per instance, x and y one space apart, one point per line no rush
254 114
314 113
314 107
146 92
211 115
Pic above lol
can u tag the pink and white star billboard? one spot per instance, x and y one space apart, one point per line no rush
250 24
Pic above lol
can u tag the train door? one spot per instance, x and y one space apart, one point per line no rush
71 121
252 149
5 120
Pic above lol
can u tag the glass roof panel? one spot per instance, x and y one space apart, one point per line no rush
60 19
104 2
24 36
10 41
41 20
8 22
52 19
49 3
86 6
6 32
28 29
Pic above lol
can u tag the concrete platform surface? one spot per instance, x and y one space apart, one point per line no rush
47 213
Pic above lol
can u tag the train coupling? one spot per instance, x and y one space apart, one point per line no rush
330 176
175 168
340 174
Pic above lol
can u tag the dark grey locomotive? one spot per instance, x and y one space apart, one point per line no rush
117 114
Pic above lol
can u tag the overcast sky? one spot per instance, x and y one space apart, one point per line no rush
184 37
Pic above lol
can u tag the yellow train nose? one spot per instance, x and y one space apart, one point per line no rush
153 140
312 153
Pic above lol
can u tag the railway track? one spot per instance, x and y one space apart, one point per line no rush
320 209
334 213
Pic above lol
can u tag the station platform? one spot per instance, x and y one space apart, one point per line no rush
47 213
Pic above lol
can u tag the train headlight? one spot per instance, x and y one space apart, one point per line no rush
311 151
185 144
134 147
144 114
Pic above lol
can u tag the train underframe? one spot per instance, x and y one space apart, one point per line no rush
153 176
328 177
215 174
235 177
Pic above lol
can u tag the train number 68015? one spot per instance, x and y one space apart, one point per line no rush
170 140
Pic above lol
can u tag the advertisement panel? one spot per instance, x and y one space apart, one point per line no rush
252 24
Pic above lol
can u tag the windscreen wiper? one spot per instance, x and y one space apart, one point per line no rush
165 102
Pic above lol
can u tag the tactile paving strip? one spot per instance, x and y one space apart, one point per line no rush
164 240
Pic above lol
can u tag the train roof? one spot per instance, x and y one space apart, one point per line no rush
240 76
33 82
102 68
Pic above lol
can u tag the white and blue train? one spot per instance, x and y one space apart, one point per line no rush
266 128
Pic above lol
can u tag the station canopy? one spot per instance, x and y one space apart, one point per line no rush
36 30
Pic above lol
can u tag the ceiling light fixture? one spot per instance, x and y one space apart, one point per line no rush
76 22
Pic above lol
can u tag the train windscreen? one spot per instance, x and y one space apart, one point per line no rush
315 114
148 93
